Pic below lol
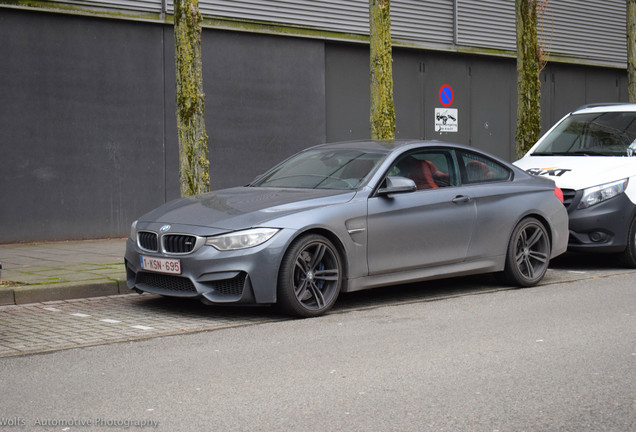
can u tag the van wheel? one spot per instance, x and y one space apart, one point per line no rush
528 255
628 257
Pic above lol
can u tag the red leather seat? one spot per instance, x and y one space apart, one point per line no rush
425 180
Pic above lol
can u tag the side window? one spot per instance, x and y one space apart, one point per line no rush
477 169
430 169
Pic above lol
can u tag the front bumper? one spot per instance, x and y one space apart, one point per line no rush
600 228
247 276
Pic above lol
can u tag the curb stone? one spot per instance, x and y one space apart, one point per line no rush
25 294
7 297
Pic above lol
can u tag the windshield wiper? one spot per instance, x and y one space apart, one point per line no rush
575 153
592 153
551 153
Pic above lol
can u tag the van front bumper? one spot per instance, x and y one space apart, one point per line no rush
600 228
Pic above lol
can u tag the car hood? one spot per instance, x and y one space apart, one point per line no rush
243 207
579 172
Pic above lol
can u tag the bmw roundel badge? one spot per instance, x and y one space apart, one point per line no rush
165 228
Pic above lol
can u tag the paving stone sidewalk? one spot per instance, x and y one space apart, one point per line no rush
74 323
39 272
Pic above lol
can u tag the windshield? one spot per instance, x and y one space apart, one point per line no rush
592 134
323 169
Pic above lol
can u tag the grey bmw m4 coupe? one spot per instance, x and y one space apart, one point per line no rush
349 216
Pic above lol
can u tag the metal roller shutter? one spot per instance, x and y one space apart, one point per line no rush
411 20
593 29
423 21
132 5
487 23
590 29
330 15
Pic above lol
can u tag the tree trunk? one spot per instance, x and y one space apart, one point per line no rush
382 110
528 69
631 49
194 173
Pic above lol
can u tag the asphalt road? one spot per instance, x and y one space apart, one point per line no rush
559 357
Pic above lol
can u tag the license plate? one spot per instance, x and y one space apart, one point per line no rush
160 265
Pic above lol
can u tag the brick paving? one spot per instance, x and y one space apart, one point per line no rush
64 324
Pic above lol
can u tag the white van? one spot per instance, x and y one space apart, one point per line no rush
591 155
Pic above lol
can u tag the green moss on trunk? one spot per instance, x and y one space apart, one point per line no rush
194 174
631 49
382 110
528 84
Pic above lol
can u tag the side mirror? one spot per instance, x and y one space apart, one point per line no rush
396 184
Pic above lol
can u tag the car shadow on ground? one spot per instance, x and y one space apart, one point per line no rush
587 261
377 297
192 308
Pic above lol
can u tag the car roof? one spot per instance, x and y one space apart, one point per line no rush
605 107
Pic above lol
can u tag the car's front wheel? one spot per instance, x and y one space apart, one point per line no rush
310 276
528 255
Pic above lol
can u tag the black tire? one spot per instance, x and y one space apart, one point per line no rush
528 255
628 257
310 277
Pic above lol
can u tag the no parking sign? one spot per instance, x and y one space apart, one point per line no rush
446 95
446 118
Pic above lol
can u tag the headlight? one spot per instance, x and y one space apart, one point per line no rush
598 194
241 239
133 230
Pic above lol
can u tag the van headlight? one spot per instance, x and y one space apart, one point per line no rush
598 194
241 239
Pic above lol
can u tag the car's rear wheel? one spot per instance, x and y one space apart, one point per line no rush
310 276
528 255
628 257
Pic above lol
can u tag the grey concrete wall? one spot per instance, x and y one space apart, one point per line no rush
485 94
81 125
265 100
88 136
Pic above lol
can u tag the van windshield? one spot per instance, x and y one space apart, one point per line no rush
592 134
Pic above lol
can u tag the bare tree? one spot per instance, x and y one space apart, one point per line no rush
529 65
382 110
631 49
194 172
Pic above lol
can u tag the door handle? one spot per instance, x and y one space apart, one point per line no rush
461 199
